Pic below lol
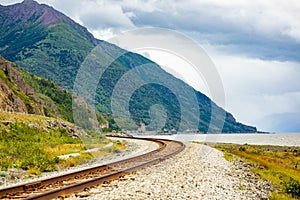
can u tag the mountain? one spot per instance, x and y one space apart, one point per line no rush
23 92
43 41
47 43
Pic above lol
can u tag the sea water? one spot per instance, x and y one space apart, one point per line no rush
281 139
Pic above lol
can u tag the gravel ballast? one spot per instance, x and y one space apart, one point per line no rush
199 172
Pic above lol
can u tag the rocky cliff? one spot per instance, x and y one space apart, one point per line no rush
15 94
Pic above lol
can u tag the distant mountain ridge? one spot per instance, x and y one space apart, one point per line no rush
47 43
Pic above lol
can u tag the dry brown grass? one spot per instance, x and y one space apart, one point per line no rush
63 149
277 163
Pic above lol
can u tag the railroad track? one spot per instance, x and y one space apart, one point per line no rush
63 185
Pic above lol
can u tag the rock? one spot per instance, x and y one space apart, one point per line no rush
9 101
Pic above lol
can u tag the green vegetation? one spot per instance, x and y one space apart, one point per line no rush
27 142
49 92
279 164
51 52
23 147
292 187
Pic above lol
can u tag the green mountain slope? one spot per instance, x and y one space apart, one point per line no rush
49 44
31 94
43 41
24 92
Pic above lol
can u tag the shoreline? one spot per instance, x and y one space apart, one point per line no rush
275 139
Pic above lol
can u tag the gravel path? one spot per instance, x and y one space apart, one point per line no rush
199 172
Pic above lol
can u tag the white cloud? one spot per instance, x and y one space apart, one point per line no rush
256 89
265 17
9 2
142 5
101 16
104 34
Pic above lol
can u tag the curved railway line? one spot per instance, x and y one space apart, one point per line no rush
63 185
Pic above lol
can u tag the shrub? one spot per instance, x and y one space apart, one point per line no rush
33 171
242 149
292 187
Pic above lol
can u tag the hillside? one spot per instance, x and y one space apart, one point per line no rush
47 43
15 94
23 92
43 41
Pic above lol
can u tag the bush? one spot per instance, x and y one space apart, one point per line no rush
33 171
292 187
242 149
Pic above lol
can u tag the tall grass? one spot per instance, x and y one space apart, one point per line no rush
278 164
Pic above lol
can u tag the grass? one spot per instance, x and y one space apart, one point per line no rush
23 146
35 149
18 117
74 161
278 164
64 149
120 144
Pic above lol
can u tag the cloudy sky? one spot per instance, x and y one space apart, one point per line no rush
255 46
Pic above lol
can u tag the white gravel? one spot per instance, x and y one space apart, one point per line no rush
199 172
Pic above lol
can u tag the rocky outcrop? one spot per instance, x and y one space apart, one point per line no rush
71 129
43 123
9 102
15 94
47 99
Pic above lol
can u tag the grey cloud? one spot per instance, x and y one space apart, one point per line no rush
216 31
258 32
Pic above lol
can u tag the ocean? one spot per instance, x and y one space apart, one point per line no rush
281 139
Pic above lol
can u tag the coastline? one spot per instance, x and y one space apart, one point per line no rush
278 139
